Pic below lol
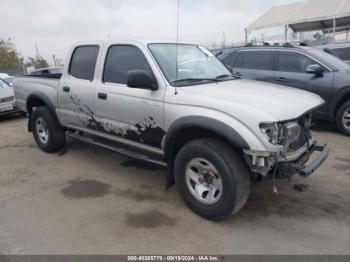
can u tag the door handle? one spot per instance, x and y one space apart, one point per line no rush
281 79
102 96
66 89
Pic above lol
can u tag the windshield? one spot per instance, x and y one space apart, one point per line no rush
9 80
334 62
3 84
192 64
343 53
56 71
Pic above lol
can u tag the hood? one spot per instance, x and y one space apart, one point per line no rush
281 102
6 92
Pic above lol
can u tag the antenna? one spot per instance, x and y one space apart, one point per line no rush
177 40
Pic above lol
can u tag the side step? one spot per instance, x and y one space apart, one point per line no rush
116 149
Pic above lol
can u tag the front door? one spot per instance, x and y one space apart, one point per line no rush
134 114
291 71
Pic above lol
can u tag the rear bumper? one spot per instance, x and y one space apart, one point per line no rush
9 112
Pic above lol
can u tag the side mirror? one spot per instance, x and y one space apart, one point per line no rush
141 79
314 69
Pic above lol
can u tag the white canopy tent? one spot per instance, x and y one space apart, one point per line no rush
305 16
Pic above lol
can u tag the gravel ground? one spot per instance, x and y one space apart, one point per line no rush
87 200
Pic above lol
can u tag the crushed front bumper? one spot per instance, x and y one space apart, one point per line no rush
305 167
304 161
306 164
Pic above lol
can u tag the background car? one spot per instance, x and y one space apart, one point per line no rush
7 99
7 78
302 67
47 71
341 51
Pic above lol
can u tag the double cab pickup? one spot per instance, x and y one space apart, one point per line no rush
178 106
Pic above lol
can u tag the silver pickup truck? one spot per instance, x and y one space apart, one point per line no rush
175 105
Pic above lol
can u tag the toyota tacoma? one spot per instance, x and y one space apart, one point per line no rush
178 106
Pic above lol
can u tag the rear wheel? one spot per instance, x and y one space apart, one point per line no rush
343 118
48 133
212 178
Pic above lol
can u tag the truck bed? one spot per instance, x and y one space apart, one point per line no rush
31 84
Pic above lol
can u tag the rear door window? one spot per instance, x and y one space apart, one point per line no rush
257 60
83 62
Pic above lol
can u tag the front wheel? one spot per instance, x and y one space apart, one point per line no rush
343 118
48 133
212 178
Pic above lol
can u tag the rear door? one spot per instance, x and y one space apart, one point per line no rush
291 71
255 65
76 88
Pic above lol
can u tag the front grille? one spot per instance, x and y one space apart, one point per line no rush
7 99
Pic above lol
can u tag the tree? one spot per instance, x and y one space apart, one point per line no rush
10 58
37 62
317 36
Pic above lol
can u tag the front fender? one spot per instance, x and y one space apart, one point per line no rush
206 123
223 125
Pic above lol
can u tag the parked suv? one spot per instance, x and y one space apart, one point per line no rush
341 51
178 106
302 67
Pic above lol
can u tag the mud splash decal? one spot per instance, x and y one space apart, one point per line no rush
147 131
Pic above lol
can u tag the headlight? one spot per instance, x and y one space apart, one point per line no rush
291 132
270 131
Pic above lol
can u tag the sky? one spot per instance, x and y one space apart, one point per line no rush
54 25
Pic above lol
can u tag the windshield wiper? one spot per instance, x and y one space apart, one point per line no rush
197 80
226 76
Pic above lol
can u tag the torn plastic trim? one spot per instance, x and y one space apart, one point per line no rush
261 162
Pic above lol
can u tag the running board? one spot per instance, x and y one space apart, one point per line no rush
116 149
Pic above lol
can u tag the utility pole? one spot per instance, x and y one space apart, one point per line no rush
37 50
223 40
54 60
286 27
334 28
246 35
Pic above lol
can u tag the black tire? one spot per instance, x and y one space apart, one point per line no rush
56 133
339 118
233 172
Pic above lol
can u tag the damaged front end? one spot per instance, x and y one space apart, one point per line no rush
295 148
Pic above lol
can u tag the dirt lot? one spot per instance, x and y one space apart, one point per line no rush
87 200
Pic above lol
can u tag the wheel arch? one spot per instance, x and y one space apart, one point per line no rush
341 98
37 99
189 128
